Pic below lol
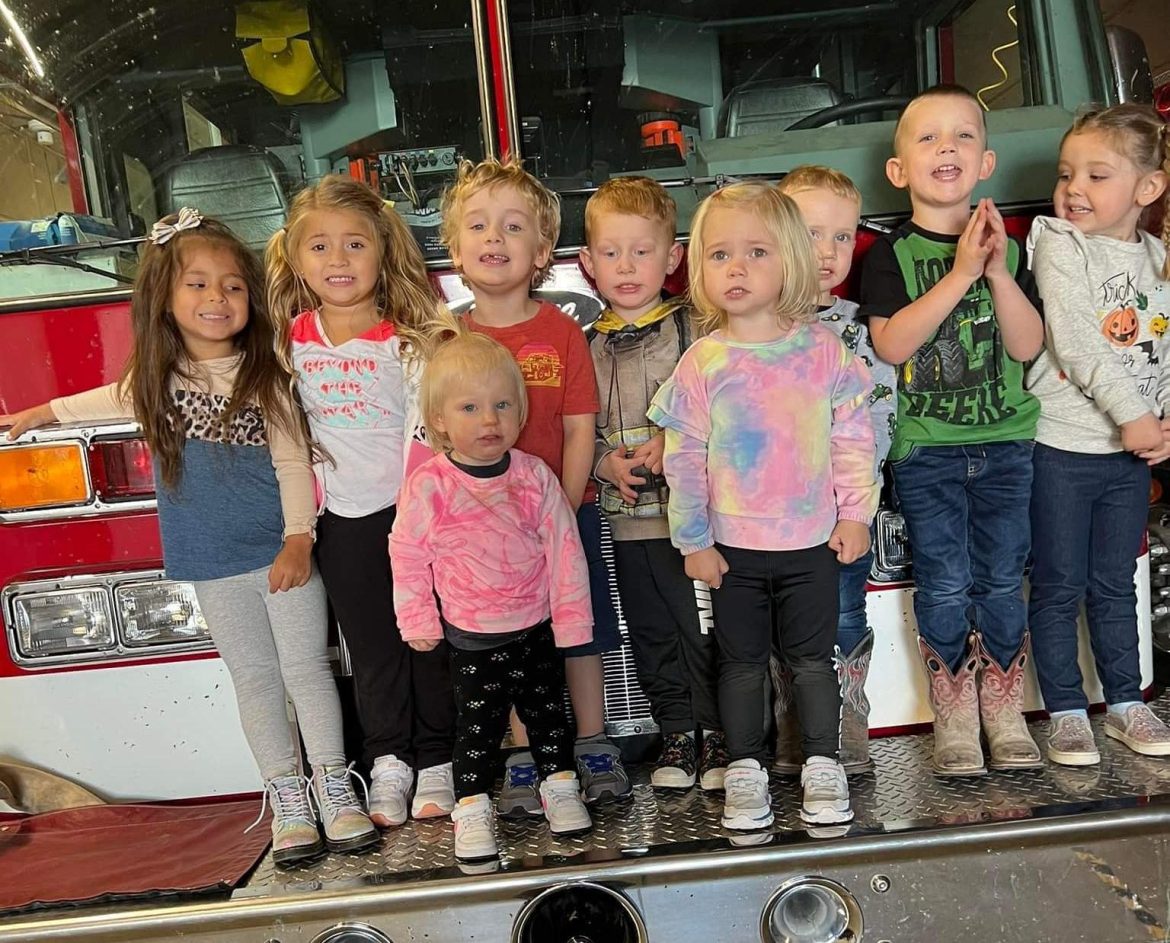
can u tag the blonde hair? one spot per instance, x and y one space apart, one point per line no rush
1139 135
404 295
819 177
489 174
632 196
468 358
942 90
800 290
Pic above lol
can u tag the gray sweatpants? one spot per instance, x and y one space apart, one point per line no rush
271 642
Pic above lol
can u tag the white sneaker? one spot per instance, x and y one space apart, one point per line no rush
434 794
747 803
474 838
390 783
826 792
563 805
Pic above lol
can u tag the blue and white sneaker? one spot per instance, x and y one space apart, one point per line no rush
747 805
600 769
520 793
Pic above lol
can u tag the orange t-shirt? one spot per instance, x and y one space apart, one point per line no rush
553 355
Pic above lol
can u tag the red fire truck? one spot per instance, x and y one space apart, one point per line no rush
113 114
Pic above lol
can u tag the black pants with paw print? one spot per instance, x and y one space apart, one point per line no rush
528 672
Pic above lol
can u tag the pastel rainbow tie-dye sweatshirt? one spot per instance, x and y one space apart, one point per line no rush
768 445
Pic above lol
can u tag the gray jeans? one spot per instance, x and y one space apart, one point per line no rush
271 642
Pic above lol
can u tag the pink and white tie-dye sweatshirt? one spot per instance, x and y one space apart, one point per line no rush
768 445
502 553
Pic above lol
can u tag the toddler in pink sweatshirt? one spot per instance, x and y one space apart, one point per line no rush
490 531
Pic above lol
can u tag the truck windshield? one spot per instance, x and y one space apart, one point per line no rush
140 109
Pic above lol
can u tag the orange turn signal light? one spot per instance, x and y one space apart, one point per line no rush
39 476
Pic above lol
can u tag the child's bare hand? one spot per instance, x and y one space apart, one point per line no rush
707 566
293 565
975 245
649 453
423 644
996 266
1142 435
27 419
850 540
1159 455
616 469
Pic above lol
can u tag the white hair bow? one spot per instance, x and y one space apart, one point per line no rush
161 233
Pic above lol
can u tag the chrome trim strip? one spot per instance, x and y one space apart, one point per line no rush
71 300
511 115
108 583
483 80
85 435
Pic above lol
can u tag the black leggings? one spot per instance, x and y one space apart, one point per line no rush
404 698
786 597
528 672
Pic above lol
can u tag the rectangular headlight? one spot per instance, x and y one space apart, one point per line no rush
159 613
63 622
892 547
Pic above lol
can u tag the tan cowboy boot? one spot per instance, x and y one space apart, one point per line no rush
789 755
852 670
955 703
1001 705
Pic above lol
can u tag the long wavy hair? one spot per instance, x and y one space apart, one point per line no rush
404 295
159 355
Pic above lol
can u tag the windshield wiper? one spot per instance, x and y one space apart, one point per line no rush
52 255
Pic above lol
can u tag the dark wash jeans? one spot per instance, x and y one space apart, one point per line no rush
852 623
1088 519
966 511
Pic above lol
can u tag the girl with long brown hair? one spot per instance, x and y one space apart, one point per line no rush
236 508
360 318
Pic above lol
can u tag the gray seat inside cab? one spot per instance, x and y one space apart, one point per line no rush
773 105
241 186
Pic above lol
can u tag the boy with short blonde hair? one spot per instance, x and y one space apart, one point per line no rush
948 296
501 224
831 206
637 341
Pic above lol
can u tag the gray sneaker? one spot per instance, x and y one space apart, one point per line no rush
826 792
1140 729
1071 741
602 775
520 793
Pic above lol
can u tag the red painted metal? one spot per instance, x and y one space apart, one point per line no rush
499 82
73 163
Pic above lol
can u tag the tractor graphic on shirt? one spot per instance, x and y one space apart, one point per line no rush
964 352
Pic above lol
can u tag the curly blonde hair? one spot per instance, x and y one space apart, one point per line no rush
489 174
797 301
405 296
1142 137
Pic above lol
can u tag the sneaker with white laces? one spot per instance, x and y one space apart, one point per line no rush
1140 729
520 793
747 804
475 840
560 795
600 769
390 784
346 825
295 836
826 792
434 794
1071 741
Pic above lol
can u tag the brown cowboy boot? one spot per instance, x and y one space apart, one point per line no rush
1001 705
852 670
955 703
789 755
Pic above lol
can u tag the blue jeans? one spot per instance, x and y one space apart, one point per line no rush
1088 519
966 511
607 635
851 623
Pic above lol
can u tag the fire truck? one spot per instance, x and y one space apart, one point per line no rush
114 113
